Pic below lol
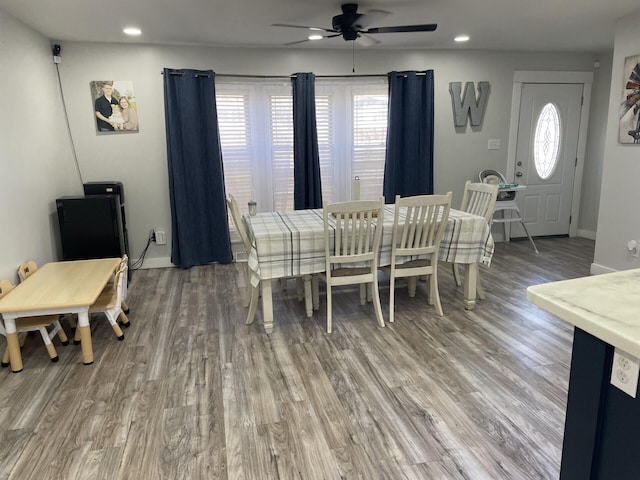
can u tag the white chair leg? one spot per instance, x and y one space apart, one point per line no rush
479 288
253 304
247 293
392 295
315 292
308 300
456 275
363 293
51 350
114 324
376 302
329 308
434 294
412 286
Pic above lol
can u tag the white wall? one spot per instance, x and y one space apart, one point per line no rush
139 159
619 215
36 163
35 153
594 151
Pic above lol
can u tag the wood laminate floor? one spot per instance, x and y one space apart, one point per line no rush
194 393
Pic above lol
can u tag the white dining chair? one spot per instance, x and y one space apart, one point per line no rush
352 246
418 227
478 199
252 294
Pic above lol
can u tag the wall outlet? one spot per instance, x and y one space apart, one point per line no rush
160 237
624 372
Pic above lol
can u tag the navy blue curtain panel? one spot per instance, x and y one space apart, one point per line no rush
408 167
196 177
307 188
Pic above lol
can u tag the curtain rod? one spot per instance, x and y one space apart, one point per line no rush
181 74
377 75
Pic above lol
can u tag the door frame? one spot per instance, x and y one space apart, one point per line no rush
522 77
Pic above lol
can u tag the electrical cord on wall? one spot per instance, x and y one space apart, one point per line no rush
66 117
137 265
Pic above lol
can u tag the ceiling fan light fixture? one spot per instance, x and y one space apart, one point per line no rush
133 31
315 37
462 38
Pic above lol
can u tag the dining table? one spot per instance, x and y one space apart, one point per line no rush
292 244
57 288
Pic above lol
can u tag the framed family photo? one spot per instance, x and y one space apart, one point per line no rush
629 131
114 106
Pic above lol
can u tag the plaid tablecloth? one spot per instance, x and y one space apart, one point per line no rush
291 243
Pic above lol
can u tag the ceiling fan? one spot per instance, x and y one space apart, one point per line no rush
352 25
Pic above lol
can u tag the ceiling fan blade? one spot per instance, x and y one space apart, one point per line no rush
370 18
430 27
294 43
303 26
365 40
307 40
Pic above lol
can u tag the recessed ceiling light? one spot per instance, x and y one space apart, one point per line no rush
132 31
462 38
315 37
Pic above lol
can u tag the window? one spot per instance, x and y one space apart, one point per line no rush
352 133
256 135
546 143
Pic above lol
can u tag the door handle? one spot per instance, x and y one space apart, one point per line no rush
518 174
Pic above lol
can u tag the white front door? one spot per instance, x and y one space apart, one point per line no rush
546 156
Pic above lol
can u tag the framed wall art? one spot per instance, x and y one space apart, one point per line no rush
114 106
629 131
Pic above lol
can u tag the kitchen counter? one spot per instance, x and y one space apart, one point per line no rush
602 421
606 306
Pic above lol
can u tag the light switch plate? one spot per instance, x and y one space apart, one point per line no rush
624 372
494 144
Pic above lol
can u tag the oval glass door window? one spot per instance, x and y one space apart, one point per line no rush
546 143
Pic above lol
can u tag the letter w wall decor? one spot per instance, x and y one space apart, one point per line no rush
468 106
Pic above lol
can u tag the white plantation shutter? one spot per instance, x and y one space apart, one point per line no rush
236 140
256 136
356 123
281 123
256 133
324 122
369 142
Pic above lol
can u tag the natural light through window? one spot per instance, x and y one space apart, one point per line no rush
546 144
256 135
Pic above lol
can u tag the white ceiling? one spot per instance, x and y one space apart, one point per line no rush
541 25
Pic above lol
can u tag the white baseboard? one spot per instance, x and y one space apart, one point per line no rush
597 269
586 234
159 262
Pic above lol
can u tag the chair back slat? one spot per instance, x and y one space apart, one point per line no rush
237 220
355 236
479 199
422 228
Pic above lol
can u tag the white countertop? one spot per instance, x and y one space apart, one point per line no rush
606 306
